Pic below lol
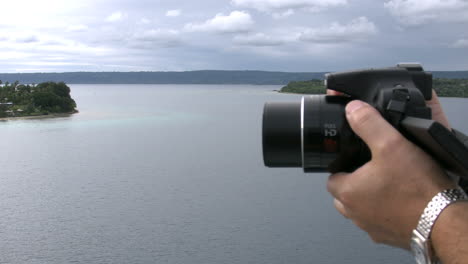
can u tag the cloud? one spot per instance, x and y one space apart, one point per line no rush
237 21
417 12
144 21
358 29
284 14
77 28
258 39
156 37
173 13
116 16
27 39
461 43
261 34
275 5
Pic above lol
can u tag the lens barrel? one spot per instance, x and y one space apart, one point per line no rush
282 134
312 134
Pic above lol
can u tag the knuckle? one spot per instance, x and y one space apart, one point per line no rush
364 116
335 183
345 197
389 144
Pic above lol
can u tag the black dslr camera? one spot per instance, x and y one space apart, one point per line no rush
314 134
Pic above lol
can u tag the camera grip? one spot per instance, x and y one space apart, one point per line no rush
440 143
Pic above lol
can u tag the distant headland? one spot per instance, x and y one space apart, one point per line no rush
45 99
443 86
186 77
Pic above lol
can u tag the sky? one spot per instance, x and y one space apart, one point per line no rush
272 35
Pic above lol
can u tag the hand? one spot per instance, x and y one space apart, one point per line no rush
387 195
437 112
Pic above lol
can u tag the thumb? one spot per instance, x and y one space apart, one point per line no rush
371 127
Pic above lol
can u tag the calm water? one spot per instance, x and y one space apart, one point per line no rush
168 174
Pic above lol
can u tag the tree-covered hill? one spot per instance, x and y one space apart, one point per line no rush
187 77
451 87
33 100
443 86
306 87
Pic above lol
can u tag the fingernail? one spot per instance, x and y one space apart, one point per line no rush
353 106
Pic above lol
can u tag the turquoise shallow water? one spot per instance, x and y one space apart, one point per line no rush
168 174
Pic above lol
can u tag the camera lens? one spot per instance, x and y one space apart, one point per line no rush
312 134
282 134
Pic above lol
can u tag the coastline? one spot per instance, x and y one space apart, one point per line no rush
54 115
278 91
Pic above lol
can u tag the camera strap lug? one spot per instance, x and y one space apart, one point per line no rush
397 106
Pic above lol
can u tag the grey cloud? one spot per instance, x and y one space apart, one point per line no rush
258 39
156 37
284 14
27 39
144 21
358 29
274 5
461 43
246 34
236 21
173 13
416 12
53 42
77 28
116 16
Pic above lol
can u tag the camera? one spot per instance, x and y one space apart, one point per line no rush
315 135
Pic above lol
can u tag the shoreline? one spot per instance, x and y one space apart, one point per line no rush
54 115
279 91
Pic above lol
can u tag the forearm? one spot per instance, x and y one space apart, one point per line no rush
450 234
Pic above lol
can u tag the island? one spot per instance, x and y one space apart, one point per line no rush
31 100
443 86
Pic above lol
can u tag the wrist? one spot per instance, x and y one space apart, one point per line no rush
421 240
449 234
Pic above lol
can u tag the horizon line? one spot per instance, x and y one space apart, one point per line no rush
269 71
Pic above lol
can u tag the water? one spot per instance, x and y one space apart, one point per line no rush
168 174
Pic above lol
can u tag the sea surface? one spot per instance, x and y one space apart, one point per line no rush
168 174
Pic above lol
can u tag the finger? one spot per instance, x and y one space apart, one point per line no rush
437 112
340 208
333 92
336 183
371 127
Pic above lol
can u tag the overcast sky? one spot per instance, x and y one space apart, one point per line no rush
279 35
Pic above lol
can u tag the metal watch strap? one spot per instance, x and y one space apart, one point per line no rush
435 207
420 240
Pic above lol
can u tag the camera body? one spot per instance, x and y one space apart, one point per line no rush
314 134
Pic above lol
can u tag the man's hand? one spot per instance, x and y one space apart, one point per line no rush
387 195
437 112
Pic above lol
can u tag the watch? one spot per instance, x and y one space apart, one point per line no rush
421 245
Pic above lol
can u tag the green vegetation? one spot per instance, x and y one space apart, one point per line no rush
444 87
34 100
306 87
451 87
